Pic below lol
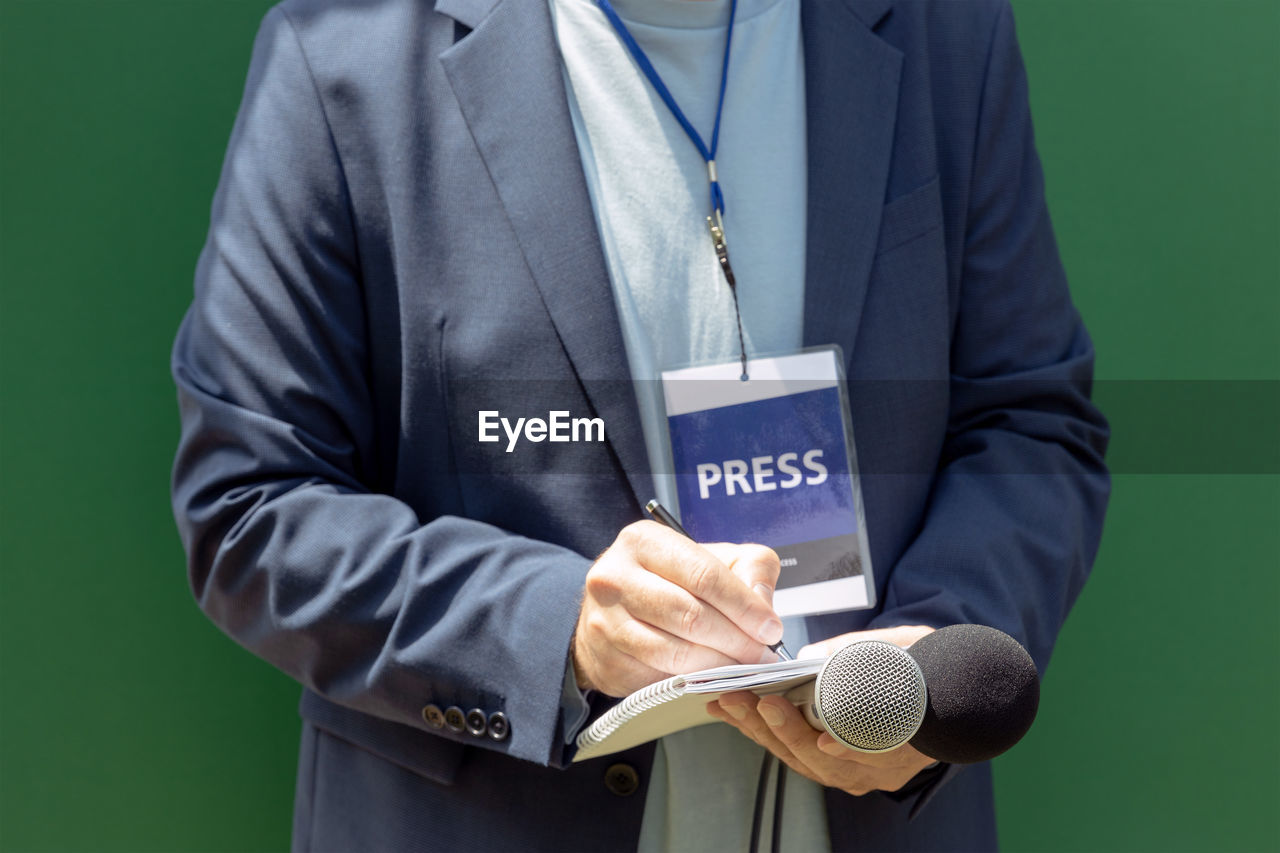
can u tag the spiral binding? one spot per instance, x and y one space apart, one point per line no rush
637 703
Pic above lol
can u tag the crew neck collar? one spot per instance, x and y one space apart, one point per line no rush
685 14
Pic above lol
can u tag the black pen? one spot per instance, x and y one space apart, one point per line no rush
660 515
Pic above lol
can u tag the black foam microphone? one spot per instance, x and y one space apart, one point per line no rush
961 694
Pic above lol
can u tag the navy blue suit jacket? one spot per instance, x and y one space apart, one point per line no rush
402 235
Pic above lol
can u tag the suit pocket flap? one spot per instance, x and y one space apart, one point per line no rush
910 215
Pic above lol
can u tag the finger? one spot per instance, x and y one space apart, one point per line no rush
904 756
878 770
834 748
842 751
602 665
692 567
790 728
742 711
737 705
755 565
796 738
901 636
664 651
731 713
678 612
887 771
739 709
745 709
618 589
715 709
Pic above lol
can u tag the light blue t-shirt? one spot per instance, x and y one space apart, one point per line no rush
649 190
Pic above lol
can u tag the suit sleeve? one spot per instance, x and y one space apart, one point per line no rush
346 590
1016 509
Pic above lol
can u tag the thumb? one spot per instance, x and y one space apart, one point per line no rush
901 635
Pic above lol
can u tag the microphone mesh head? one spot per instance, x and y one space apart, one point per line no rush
871 696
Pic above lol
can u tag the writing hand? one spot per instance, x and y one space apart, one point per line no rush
656 604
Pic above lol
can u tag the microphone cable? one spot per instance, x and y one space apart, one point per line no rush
768 764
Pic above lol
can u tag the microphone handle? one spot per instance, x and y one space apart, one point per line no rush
803 698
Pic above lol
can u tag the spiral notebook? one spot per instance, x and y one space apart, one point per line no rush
679 703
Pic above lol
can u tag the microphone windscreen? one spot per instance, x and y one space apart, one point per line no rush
983 693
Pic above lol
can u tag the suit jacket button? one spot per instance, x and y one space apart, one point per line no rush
455 719
499 728
476 722
621 779
433 716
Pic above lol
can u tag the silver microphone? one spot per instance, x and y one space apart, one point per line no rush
869 695
961 694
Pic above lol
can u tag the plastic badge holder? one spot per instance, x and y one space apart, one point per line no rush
770 459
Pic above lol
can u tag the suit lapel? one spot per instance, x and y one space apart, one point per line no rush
851 93
507 79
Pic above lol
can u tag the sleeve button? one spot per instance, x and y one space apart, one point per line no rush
476 722
499 728
455 719
433 716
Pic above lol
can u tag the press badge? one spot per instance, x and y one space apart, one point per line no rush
770 459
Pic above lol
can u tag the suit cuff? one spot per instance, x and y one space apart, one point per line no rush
923 786
575 705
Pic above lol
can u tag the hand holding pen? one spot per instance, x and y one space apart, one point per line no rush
656 603
660 515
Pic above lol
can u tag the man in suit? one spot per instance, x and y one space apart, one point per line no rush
403 236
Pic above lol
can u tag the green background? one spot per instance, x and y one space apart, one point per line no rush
128 722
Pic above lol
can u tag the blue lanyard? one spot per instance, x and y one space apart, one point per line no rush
708 154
